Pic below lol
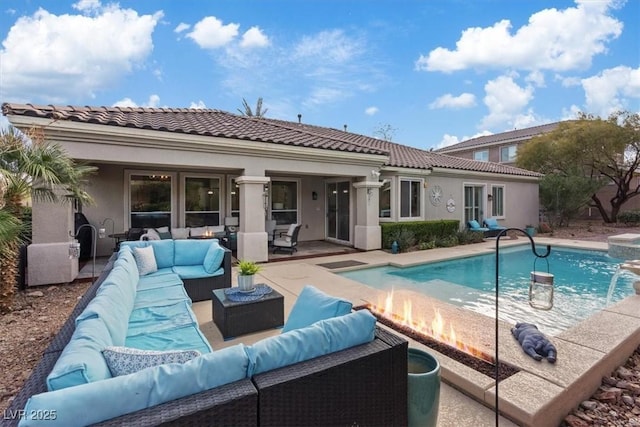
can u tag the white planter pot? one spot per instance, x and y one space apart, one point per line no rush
245 283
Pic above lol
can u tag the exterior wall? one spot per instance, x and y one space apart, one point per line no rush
494 152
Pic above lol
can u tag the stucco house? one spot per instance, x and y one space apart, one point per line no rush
194 167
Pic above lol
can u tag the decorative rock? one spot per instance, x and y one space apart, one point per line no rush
628 400
609 380
622 384
35 294
589 404
609 396
573 421
623 372
634 388
43 319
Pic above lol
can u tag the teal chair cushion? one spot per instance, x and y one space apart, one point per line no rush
191 251
313 305
214 257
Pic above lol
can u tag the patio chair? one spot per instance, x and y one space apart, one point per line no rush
287 241
475 226
492 224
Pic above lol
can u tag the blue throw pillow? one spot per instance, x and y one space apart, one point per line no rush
474 224
213 258
321 338
313 305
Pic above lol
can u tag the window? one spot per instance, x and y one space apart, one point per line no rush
385 200
284 201
201 201
410 191
150 200
497 200
482 156
508 154
234 198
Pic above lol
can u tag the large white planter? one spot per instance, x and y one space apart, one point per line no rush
245 283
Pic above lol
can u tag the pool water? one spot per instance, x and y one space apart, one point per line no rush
582 281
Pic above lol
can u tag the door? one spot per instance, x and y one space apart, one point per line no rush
473 203
338 218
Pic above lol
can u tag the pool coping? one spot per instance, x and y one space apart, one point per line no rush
541 394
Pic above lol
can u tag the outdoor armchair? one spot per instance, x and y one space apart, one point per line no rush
287 241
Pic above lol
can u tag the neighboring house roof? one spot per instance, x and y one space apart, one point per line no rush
217 123
517 135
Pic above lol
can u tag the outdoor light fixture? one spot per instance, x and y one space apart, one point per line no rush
490 197
74 247
540 292
102 233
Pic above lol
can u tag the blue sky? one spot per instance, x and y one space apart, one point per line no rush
432 73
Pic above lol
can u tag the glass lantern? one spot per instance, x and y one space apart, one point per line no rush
74 249
541 290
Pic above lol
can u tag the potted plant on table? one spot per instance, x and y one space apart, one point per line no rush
246 271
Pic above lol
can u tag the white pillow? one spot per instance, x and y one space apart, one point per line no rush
198 231
180 233
162 229
146 260
215 228
151 234
126 360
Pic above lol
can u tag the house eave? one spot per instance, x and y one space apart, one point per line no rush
64 131
487 175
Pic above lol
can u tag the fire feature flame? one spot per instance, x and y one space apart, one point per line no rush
436 329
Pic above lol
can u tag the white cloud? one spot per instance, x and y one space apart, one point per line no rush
254 37
50 51
568 81
505 100
611 90
448 140
553 39
200 105
152 102
333 47
464 100
181 27
210 33
87 5
371 111
536 78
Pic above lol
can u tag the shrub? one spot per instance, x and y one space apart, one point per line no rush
427 245
447 242
405 239
629 217
466 237
423 231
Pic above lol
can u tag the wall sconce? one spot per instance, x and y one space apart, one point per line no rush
74 247
490 197
314 195
265 200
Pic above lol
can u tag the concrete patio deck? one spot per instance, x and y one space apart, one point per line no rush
541 394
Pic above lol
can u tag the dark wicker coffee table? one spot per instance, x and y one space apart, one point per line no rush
235 318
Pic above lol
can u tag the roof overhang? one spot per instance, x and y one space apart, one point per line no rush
486 175
62 131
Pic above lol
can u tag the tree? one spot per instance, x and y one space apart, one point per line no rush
30 168
385 132
246 111
562 196
607 151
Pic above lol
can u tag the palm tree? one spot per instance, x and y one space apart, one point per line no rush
30 168
259 112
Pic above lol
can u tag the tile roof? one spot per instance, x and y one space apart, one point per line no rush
208 122
513 135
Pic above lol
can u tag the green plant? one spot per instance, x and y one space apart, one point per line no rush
248 268
404 238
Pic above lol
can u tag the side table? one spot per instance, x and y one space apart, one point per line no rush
234 318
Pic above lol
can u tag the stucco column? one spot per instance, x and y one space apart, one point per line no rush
367 233
253 244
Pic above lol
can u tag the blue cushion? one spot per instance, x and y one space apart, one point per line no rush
121 278
313 305
106 306
146 320
321 338
161 296
162 249
195 271
188 337
153 281
474 224
81 360
126 259
103 400
214 257
191 251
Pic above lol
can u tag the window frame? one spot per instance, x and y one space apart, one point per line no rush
128 173
420 182
390 183
485 155
183 196
510 159
270 210
502 187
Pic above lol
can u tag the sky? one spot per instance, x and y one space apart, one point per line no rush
422 73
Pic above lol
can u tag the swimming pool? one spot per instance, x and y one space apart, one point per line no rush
582 280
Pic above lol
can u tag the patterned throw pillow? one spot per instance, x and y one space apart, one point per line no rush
146 260
126 360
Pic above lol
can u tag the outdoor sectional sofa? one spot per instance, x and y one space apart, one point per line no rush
280 381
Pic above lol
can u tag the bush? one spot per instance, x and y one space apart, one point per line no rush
467 237
447 242
629 217
422 231
405 239
427 245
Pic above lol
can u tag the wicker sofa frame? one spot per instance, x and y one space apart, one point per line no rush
364 385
